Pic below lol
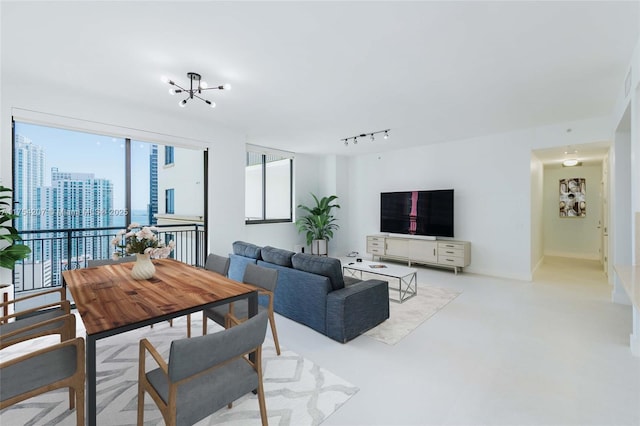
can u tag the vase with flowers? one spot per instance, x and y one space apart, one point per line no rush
144 243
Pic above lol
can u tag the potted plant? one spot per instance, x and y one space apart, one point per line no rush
10 252
319 223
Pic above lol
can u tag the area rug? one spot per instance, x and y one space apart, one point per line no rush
297 391
405 317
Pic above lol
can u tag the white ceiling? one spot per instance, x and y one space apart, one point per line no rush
307 74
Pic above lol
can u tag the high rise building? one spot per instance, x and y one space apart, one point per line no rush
153 185
29 177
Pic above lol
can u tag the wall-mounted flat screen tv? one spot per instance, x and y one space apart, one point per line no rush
427 213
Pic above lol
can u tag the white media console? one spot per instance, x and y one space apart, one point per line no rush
445 253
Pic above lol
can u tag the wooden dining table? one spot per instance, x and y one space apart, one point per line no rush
110 302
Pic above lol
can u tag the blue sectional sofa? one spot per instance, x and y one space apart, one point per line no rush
312 291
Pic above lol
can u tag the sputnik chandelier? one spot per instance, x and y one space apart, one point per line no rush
197 87
371 135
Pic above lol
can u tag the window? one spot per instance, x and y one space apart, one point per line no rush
168 155
169 201
268 180
71 188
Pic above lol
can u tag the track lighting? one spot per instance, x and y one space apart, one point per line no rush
197 85
364 135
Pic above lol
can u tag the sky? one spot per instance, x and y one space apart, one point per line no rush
104 156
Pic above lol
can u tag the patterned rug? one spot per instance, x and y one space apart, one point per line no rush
405 317
297 391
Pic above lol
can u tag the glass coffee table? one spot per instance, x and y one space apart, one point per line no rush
406 278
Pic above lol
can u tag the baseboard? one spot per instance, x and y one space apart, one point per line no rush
571 255
619 296
634 344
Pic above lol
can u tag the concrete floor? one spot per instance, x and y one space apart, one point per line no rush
554 351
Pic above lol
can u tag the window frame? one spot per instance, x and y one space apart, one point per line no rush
169 155
263 165
169 201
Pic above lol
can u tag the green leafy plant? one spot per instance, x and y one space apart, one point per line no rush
319 223
10 252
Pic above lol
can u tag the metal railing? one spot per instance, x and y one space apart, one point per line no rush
57 250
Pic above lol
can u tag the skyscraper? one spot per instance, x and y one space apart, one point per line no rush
153 185
29 176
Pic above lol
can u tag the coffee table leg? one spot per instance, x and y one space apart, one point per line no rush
91 380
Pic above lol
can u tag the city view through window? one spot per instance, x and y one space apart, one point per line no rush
70 195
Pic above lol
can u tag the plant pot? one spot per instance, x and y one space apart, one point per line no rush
143 269
319 247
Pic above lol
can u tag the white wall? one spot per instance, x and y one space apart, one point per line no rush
537 212
572 236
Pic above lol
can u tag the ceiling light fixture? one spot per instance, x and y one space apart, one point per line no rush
364 135
570 159
196 88
570 162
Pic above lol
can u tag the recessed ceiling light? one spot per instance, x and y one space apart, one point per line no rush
570 163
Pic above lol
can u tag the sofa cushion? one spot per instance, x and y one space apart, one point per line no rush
237 265
277 256
246 249
325 266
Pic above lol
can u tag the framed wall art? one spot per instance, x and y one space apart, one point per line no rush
573 202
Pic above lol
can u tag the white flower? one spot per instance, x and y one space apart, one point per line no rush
141 239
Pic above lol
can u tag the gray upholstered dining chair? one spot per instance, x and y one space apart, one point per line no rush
53 367
218 264
101 262
204 373
236 312
45 318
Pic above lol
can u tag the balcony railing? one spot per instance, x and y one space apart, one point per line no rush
57 250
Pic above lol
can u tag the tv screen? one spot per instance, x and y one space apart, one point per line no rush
428 213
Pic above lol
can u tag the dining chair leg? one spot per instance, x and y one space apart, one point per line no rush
204 324
260 390
79 393
272 322
188 325
141 377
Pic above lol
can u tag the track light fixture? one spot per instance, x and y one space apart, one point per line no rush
196 88
364 135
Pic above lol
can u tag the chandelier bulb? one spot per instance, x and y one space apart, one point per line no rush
227 86
386 134
373 138
183 103
172 91
211 104
203 84
346 142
